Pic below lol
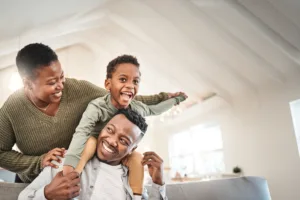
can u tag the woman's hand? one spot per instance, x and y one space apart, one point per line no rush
53 155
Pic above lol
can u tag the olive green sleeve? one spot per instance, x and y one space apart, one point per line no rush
152 99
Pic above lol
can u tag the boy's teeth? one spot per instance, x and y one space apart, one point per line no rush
125 96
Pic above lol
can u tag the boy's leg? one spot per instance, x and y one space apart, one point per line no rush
87 154
136 172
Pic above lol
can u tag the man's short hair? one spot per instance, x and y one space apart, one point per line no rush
135 118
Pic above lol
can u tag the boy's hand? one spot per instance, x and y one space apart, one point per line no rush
67 169
181 96
53 155
176 94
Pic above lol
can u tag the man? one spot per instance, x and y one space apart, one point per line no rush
104 177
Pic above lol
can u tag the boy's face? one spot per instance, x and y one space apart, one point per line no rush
117 139
123 85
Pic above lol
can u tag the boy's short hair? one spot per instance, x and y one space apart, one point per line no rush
135 118
112 65
34 56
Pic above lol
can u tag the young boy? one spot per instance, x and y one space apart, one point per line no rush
122 82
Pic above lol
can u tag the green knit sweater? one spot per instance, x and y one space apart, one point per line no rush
36 133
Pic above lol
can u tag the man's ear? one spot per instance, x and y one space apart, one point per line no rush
107 84
134 148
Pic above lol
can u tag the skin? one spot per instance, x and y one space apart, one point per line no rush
125 79
46 87
44 90
121 136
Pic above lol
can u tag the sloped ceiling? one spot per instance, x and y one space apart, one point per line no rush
227 47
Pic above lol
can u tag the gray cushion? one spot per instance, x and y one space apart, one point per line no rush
244 188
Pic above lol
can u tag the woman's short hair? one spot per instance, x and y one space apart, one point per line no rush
34 56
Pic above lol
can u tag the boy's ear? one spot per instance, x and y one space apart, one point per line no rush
107 84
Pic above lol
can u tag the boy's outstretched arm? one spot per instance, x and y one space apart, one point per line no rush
87 154
153 99
93 114
157 109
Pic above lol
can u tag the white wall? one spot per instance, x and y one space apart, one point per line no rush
258 135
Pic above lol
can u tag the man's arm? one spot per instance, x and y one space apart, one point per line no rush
46 187
155 168
36 189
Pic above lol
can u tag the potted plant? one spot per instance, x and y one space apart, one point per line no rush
237 170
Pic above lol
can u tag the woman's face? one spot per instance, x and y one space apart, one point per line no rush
48 83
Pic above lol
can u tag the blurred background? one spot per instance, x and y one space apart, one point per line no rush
238 61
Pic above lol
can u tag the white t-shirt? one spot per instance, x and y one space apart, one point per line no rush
109 185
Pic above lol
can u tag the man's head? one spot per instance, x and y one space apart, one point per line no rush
122 80
120 136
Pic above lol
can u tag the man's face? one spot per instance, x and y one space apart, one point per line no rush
117 139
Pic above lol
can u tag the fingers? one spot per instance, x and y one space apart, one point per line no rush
57 152
152 153
54 158
51 165
171 95
183 94
75 182
73 175
151 158
53 155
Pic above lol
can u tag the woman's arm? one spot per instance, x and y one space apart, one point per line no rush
13 160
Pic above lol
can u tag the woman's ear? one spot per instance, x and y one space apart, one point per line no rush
107 84
27 83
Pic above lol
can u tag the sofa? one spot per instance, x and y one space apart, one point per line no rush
242 188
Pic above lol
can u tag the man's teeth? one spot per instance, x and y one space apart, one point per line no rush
107 149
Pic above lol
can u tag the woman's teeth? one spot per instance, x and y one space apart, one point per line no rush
58 94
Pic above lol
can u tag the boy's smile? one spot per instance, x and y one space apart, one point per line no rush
123 85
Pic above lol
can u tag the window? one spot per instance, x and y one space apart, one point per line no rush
197 151
295 111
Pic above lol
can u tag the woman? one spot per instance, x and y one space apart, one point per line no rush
41 117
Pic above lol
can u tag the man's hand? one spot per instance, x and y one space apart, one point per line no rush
63 187
53 155
155 167
67 169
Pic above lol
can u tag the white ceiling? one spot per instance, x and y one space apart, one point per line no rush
230 47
